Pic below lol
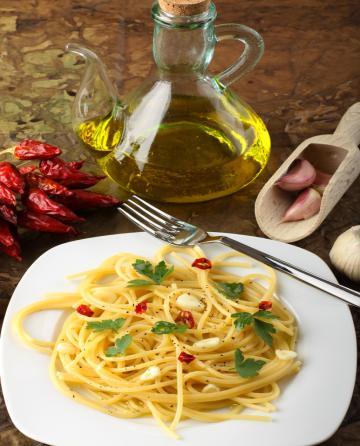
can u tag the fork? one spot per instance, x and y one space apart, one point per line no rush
179 233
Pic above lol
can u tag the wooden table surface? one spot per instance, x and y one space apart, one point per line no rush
306 80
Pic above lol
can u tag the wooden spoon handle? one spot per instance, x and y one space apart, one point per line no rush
349 125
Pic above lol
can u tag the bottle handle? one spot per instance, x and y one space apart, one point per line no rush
252 53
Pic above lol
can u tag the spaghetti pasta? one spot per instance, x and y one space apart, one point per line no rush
123 366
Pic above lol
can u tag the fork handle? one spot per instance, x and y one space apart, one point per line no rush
341 292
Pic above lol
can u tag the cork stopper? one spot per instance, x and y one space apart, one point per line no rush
184 7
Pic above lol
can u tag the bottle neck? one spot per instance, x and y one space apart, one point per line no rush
183 45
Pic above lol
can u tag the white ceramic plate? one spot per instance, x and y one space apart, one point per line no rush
310 408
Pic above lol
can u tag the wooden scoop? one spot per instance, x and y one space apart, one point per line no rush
338 155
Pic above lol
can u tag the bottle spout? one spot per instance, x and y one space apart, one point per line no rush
97 115
94 63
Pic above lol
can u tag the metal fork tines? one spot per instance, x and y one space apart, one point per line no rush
177 232
156 222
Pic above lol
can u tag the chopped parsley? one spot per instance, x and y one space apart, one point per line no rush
121 344
263 329
107 324
164 327
231 291
157 274
247 368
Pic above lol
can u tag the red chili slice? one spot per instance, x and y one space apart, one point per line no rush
202 263
186 357
85 310
141 308
186 318
265 305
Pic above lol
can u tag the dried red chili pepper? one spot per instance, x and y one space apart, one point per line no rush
7 196
141 308
30 149
27 169
85 310
13 250
186 318
84 200
38 201
36 180
202 263
43 223
265 305
186 357
8 214
11 177
6 237
57 169
76 164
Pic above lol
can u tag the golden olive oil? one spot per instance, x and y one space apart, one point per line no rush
197 152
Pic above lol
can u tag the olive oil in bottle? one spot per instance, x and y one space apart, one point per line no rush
197 153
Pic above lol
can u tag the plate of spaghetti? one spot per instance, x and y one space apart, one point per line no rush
123 338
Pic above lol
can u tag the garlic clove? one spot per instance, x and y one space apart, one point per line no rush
321 181
207 343
188 302
345 253
210 388
305 206
285 355
150 374
300 175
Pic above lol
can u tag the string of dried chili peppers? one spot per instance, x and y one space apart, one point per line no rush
37 197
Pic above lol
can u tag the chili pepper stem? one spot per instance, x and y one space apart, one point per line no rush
9 150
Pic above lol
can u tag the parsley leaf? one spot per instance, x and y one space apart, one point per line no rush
107 324
231 291
242 320
247 368
263 329
164 327
161 272
121 344
138 282
145 268
265 314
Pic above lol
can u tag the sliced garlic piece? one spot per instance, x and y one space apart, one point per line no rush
210 388
65 347
285 354
188 302
207 343
150 374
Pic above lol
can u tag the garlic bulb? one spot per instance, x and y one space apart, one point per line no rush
345 253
